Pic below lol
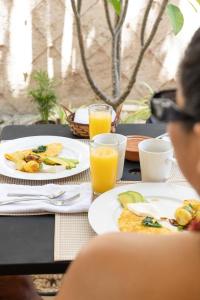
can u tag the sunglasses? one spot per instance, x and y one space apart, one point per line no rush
164 109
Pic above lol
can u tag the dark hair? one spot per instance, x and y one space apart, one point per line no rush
189 76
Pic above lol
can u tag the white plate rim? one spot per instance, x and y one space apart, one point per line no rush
94 213
81 148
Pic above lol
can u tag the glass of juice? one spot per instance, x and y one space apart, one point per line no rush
103 166
100 119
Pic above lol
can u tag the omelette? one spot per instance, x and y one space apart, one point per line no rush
130 222
52 150
30 160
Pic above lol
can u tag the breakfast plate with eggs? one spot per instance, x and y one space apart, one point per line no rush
43 157
144 207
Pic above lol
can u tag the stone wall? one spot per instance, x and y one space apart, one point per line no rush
40 34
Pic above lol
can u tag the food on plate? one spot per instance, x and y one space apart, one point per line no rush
56 161
188 212
34 160
144 209
130 222
130 197
195 204
48 150
20 164
138 215
151 222
40 149
184 215
15 156
31 166
34 157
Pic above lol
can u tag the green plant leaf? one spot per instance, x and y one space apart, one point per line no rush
43 94
140 115
198 1
117 5
176 18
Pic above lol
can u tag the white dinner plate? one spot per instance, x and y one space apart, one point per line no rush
71 149
105 210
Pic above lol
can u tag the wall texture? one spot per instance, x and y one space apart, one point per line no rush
40 34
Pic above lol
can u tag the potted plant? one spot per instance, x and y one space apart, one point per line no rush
44 95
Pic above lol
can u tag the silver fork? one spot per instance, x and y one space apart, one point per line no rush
54 201
50 196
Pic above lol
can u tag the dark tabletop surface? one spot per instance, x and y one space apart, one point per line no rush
27 243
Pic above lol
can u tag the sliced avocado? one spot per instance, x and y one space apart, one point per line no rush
137 196
70 164
50 161
53 161
72 160
130 197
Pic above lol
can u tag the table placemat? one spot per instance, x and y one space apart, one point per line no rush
72 232
76 179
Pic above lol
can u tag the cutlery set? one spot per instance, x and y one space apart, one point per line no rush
52 198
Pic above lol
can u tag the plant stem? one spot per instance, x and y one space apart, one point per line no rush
143 49
144 23
91 81
108 19
118 98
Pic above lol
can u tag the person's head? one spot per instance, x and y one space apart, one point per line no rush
184 120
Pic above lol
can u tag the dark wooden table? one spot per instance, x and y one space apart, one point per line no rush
27 243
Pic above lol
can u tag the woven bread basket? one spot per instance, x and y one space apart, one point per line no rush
82 130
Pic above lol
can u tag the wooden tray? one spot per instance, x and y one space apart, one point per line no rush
132 152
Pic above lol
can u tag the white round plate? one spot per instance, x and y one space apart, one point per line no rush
105 210
71 149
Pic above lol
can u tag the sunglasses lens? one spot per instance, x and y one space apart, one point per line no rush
166 94
160 109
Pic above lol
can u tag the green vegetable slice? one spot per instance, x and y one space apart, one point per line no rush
72 160
151 222
40 149
130 197
53 161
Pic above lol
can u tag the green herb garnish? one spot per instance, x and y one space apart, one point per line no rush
180 227
40 149
151 222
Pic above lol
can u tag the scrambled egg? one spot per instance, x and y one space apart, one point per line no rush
130 222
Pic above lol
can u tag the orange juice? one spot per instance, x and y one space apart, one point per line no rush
99 122
103 166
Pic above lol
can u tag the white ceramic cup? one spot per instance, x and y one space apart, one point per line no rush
156 159
111 138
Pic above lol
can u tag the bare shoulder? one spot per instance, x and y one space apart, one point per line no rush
131 266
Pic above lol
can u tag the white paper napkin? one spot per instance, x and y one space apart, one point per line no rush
79 204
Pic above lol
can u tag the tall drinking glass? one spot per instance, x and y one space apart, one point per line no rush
100 119
103 166
121 140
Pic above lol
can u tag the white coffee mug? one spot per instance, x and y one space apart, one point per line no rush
156 159
110 138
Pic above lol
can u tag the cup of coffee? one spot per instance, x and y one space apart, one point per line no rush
156 159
